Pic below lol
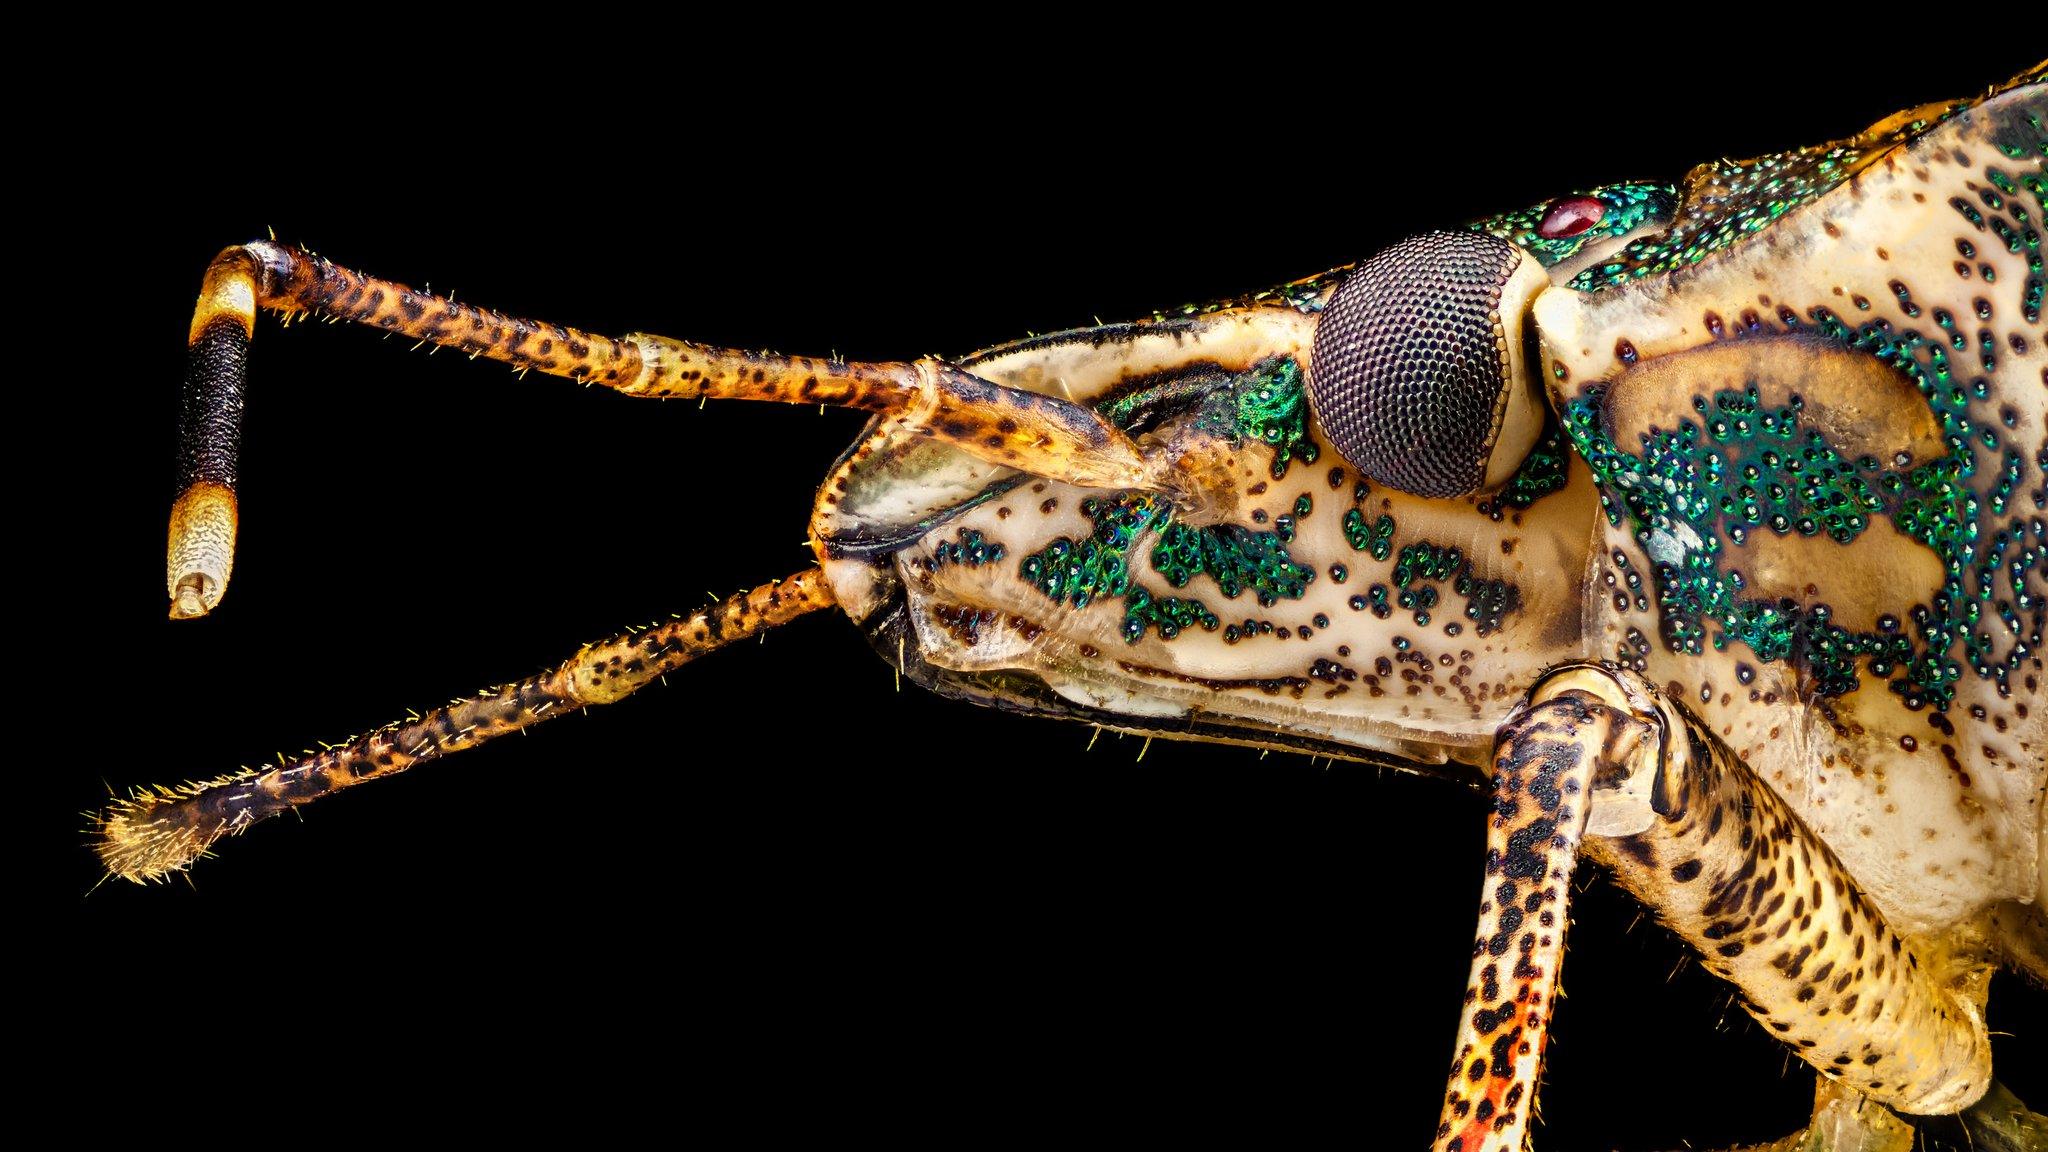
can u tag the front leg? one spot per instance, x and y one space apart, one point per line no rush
1547 760
1713 852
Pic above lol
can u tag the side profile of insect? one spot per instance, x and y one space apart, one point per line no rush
1700 520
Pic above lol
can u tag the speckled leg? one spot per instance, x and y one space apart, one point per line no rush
160 831
1545 762
1057 438
1724 863
1727 865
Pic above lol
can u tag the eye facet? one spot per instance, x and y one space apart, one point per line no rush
1570 216
1416 372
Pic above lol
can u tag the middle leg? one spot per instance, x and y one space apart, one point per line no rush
1723 862
1727 865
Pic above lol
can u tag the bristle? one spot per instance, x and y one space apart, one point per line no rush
151 835
160 830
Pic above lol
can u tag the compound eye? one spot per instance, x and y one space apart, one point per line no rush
1417 375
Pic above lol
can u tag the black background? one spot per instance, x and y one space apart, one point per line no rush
883 912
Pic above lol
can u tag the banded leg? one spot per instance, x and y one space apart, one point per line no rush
158 832
1546 760
1010 426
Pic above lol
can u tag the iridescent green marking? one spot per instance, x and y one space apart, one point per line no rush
1681 488
1236 558
1167 615
1176 393
1419 601
1728 201
1267 405
1628 207
1426 561
1544 470
1721 204
1301 295
1946 321
1788 487
969 549
2038 185
1080 572
2024 142
1487 602
2020 236
1376 538
1306 296
1423 565
1744 467
1375 601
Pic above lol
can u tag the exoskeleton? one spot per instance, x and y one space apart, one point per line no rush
1701 520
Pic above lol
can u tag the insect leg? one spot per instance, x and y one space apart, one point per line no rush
165 830
1725 863
1058 438
1546 759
